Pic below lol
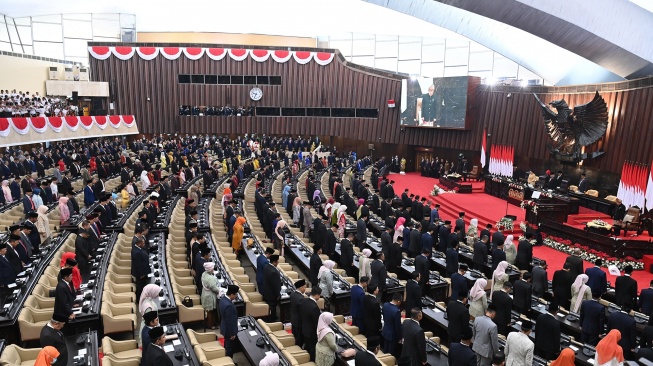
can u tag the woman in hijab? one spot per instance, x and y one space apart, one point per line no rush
567 358
64 213
279 237
317 199
210 293
328 207
364 264
326 348
333 217
237 237
145 181
510 249
272 359
399 228
147 303
296 210
579 292
77 276
43 223
124 196
284 195
478 298
6 191
360 204
226 198
342 220
608 351
48 356
499 277
472 232
325 278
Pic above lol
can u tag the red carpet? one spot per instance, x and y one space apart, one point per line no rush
488 210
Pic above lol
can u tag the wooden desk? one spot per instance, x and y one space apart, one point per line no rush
247 337
182 343
86 351
168 313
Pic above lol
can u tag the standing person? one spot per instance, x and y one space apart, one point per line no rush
326 348
459 282
325 280
452 260
155 355
272 286
83 252
503 304
391 331
379 274
525 253
486 340
499 277
510 249
567 358
43 224
413 292
575 263
150 320
597 280
347 255
372 311
414 341
608 351
210 291
625 289
422 265
498 255
64 295
561 285
140 266
310 318
540 279
458 317
361 232
48 356
625 324
357 297
592 319
519 348
51 335
296 298
480 254
261 262
522 293
548 329
393 259
386 241
229 319
237 237
148 302
478 298
315 264
461 354
365 264
579 292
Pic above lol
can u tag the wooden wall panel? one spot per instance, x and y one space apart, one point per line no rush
511 115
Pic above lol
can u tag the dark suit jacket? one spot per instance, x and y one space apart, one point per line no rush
576 266
458 317
392 322
413 296
480 255
140 263
393 259
379 274
361 232
329 243
597 280
458 285
272 284
346 253
646 340
366 358
524 255
63 300
372 318
386 242
522 293
461 355
583 185
452 261
498 256
561 286
539 281
592 317
645 301
422 265
314 268
34 237
503 303
295 306
310 316
625 289
7 273
357 295
626 325
14 260
497 238
155 356
229 317
54 338
414 342
547 344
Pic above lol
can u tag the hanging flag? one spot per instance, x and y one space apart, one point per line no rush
621 189
649 190
483 148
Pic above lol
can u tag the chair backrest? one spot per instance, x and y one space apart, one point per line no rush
592 192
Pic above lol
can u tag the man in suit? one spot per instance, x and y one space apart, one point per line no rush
519 348
597 280
422 266
486 231
329 247
415 244
13 256
522 293
486 340
367 357
460 222
547 336
503 303
461 354
64 296
347 256
229 319
89 194
155 355
625 324
452 260
7 273
314 265
272 286
459 282
379 274
51 335
33 235
386 240
372 312
561 285
618 216
413 292
498 255
28 203
435 214
540 279
646 300
525 253
592 319
261 262
310 314
497 238
625 289
443 236
414 341
361 232
458 317
357 296
576 263
296 298
583 185
140 266
480 253
391 331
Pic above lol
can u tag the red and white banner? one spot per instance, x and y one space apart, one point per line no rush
649 190
216 54
54 125
633 189
502 158
483 148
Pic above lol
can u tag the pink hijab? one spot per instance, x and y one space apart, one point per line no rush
326 267
64 213
501 270
323 323
400 222
478 290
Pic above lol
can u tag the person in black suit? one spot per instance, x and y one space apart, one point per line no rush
155 355
51 335
229 319
296 298
413 292
561 286
368 357
624 323
422 265
12 254
372 311
583 185
452 259
34 237
414 341
64 295
525 253
576 263
459 282
592 319
347 256
140 266
461 354
625 289
391 331
83 252
618 217
646 300
480 253
547 335
597 280
458 317
498 255
314 265
7 273
394 257
361 232
646 340
310 314
503 303
497 238
522 292
379 274
329 247
272 286
386 240
486 232
443 236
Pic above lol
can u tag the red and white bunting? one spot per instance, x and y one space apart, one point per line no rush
128 120
101 122
42 125
20 125
216 54
38 124
87 122
55 123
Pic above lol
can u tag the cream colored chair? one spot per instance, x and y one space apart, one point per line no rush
213 357
31 322
109 360
38 303
121 350
592 192
255 306
189 315
16 356
206 341
117 319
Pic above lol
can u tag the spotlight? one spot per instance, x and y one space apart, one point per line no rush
524 83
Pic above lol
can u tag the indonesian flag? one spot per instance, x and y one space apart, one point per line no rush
491 167
483 147
649 190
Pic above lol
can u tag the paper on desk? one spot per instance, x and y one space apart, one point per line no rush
590 361
169 348
252 333
161 298
560 315
176 342
11 285
574 348
81 352
351 363
150 275
21 274
268 353
437 310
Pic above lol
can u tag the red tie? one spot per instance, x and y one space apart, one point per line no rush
24 247
32 202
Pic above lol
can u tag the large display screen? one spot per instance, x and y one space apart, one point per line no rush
434 102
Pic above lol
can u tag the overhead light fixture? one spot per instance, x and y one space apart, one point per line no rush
524 83
413 77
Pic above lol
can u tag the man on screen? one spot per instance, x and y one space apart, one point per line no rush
427 108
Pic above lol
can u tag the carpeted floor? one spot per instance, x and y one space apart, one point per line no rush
488 210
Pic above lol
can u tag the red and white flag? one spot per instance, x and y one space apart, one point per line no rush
483 148
649 190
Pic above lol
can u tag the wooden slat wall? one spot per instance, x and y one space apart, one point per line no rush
512 120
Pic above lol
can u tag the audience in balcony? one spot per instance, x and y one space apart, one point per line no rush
227 110
18 104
